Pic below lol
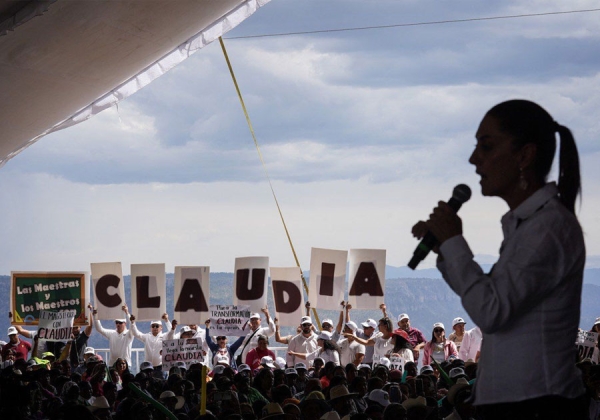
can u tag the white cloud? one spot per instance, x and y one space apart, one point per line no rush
363 132
54 224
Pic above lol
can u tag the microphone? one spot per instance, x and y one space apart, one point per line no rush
460 195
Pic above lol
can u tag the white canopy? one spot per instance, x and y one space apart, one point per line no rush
62 61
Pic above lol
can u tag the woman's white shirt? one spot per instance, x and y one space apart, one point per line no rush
528 307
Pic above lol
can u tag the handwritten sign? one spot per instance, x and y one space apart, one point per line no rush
188 350
229 319
56 326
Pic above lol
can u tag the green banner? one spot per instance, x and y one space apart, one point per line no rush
35 292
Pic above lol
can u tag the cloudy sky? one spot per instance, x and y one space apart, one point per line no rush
362 133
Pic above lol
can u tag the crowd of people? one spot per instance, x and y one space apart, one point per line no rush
371 370
527 308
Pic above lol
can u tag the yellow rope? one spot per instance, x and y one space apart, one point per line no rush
287 233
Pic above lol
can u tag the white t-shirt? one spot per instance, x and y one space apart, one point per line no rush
381 348
301 344
349 350
119 345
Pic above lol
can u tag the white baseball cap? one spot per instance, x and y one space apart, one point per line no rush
267 361
324 335
458 320
369 323
146 366
379 396
403 316
89 350
327 321
305 320
352 325
439 325
385 362
12 331
280 362
255 315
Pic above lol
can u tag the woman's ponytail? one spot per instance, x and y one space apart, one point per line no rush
569 178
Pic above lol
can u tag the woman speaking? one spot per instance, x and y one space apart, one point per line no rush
528 305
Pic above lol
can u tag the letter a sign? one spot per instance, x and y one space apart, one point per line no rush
366 278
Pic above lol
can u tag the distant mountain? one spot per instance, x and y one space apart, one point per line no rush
421 293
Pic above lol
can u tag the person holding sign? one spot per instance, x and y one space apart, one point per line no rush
528 306
351 352
153 341
120 339
366 332
222 348
78 343
251 340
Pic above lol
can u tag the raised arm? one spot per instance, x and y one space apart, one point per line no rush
171 333
165 319
88 328
340 323
127 316
265 311
278 337
348 307
209 341
134 330
101 330
24 332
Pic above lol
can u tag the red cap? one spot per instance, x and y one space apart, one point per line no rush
401 333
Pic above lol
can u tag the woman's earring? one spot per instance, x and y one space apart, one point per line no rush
523 184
